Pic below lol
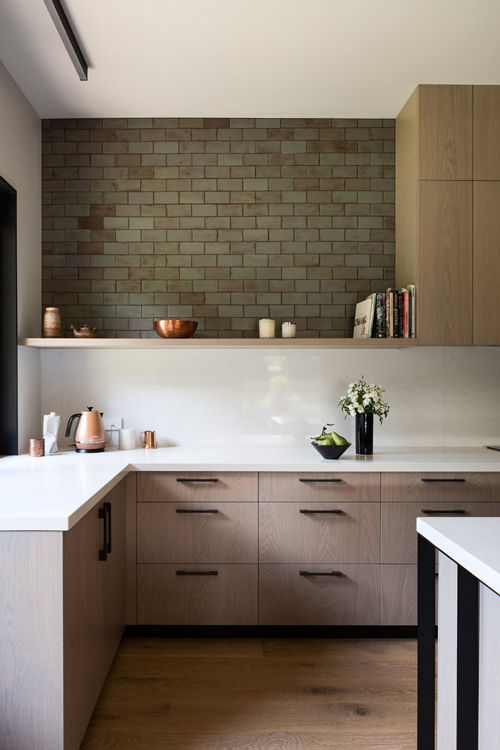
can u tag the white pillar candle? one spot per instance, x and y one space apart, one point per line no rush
288 330
266 328
127 439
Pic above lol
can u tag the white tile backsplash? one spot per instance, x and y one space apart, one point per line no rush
439 396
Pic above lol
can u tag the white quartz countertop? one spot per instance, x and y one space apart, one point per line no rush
52 493
474 543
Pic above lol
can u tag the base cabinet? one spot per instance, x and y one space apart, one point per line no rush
62 614
202 594
319 595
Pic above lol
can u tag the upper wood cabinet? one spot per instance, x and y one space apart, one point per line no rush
447 151
444 132
486 272
486 132
445 262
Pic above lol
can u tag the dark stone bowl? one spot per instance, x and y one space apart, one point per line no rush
331 452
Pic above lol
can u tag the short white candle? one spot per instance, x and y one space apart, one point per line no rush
266 328
288 330
127 439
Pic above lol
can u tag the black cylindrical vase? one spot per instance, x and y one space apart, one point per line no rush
364 434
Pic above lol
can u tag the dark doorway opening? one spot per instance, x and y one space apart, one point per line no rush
8 320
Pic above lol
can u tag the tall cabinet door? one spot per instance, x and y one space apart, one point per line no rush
82 624
486 132
114 577
486 273
445 132
445 252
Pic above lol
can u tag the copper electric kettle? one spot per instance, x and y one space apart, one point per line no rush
89 436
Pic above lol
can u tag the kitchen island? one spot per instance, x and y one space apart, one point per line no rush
468 633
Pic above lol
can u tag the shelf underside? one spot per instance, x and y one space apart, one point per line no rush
202 343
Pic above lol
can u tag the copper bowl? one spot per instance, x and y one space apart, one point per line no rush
175 329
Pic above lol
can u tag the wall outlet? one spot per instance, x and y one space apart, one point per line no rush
112 423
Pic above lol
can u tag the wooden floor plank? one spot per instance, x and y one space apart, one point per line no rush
258 695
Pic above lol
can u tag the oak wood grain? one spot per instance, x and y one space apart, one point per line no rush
477 487
399 522
31 658
445 263
288 536
486 272
445 132
229 598
486 109
407 193
288 598
299 695
166 536
131 546
114 581
238 486
286 487
398 594
83 624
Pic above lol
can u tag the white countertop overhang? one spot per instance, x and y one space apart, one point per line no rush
473 543
52 493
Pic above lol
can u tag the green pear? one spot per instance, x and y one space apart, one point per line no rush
326 440
338 439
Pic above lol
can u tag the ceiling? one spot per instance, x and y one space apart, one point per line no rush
258 58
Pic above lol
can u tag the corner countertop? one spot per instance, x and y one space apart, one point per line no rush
52 493
471 542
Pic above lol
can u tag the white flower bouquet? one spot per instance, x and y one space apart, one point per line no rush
364 399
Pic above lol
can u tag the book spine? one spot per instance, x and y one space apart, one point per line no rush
391 315
396 315
414 310
406 295
379 316
410 327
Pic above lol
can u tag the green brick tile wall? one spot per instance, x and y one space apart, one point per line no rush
224 221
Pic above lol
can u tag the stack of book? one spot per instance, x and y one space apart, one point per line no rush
387 315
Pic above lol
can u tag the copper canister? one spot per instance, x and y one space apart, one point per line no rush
149 439
37 447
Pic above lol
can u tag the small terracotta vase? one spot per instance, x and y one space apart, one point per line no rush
52 323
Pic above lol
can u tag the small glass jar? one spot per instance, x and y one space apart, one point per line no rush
288 330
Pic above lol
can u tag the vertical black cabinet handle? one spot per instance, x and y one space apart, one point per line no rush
107 508
103 553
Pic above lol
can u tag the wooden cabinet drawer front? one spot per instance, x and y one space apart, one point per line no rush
204 486
179 532
398 594
319 487
413 487
166 598
349 534
288 598
399 524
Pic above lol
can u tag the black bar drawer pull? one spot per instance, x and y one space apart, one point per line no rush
107 508
309 481
442 481
188 510
197 572
307 512
188 479
455 512
103 553
336 573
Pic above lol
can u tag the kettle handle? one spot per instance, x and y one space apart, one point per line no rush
70 423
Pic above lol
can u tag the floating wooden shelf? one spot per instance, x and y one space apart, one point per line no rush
203 343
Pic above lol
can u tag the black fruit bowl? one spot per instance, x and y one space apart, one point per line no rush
331 451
